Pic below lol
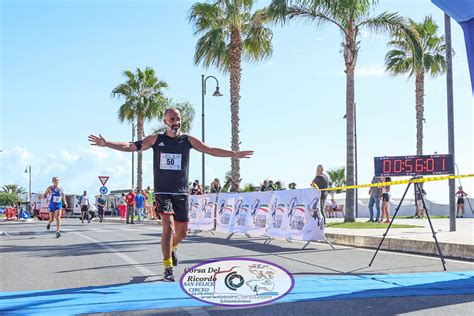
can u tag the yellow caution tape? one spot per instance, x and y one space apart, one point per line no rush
382 184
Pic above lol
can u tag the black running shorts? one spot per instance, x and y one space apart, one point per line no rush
173 204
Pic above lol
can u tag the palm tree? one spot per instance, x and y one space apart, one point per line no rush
229 31
144 100
187 117
338 178
14 189
402 60
350 17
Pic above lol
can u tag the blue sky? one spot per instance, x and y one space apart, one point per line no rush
61 59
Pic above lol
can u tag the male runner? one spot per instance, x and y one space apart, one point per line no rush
170 167
55 204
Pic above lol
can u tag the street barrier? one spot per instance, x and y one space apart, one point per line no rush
287 214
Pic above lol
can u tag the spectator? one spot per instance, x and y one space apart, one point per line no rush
270 186
264 186
130 198
375 195
278 186
100 207
322 182
140 205
216 186
122 206
333 207
420 194
292 186
386 201
460 202
85 205
194 189
199 188
150 207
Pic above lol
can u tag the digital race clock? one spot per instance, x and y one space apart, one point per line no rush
414 165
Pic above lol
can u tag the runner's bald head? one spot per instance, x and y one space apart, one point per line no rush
171 111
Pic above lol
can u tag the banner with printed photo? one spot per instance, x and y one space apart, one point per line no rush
259 206
278 221
306 220
201 211
295 214
193 212
225 216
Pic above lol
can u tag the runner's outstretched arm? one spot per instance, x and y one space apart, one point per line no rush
144 144
218 152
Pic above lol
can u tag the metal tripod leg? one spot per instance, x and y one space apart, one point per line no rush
432 230
389 225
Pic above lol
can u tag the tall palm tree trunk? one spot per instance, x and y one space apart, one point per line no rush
235 74
350 57
140 135
419 92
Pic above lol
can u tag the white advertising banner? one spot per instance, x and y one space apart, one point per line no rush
306 220
278 221
293 214
201 211
225 217
259 207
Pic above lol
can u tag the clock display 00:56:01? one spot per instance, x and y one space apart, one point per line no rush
414 165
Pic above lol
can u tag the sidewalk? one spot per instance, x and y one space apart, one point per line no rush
458 244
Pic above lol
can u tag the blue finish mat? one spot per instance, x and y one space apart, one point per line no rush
158 295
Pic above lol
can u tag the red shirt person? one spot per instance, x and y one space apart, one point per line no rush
130 198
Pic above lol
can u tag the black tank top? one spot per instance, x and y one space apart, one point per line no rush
171 163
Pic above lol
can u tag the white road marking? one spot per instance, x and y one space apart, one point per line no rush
143 270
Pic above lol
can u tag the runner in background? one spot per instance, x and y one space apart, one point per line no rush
57 199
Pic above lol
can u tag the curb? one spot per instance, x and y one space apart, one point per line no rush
449 250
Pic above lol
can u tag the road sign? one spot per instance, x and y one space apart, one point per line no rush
103 190
103 179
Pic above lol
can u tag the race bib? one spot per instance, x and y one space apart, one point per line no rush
170 161
56 199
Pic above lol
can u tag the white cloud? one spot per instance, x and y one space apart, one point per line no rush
370 70
66 156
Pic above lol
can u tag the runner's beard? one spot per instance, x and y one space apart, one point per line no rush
175 129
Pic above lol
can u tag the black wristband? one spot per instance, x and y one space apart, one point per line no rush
138 144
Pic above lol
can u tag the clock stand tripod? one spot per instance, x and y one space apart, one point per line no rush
417 188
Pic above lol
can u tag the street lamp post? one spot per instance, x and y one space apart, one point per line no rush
449 95
133 157
216 93
28 170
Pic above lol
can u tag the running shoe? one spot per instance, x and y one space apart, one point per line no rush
48 226
58 234
168 276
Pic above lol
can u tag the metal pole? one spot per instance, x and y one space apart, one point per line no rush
355 163
203 92
133 158
29 189
449 94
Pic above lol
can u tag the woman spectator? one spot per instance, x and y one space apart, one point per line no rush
386 201
122 206
216 186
